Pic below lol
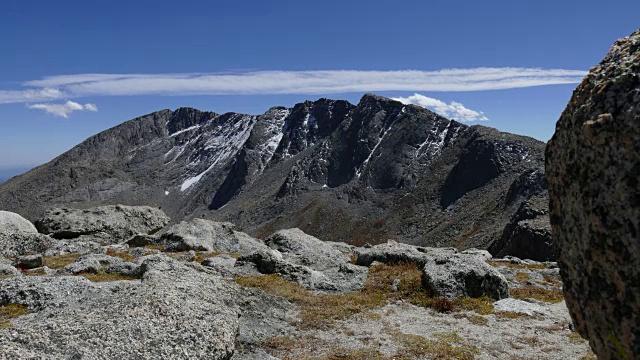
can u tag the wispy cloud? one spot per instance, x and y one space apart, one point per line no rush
453 110
64 109
19 96
288 82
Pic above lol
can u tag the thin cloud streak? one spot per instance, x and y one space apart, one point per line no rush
293 82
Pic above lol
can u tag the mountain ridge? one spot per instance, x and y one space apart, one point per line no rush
299 167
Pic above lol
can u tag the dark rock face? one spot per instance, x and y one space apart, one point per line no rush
593 171
343 172
528 234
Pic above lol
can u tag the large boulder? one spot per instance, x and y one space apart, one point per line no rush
11 223
207 235
111 224
175 311
463 275
18 236
299 248
593 171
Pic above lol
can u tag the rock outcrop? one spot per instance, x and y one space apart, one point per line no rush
112 224
463 275
593 171
18 236
306 260
528 234
174 311
206 235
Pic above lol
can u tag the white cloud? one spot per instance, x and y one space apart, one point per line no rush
18 96
63 110
305 82
453 110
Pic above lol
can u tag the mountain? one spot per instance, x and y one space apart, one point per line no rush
360 173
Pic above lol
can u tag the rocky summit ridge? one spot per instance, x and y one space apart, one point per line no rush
359 174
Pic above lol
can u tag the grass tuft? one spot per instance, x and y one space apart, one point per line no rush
10 312
104 277
576 338
60 261
121 254
542 294
522 277
442 346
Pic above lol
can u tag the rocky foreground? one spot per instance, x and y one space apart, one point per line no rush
117 282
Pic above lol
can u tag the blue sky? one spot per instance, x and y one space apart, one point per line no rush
247 56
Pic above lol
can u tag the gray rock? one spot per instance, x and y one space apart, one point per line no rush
174 311
309 261
344 277
29 261
17 244
393 253
593 168
112 224
140 252
18 236
263 317
221 261
12 223
61 247
206 235
519 307
144 240
90 264
461 275
8 270
477 252
299 248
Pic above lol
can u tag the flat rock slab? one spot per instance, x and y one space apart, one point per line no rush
174 311
113 223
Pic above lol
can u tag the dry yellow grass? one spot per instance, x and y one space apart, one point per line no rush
35 272
121 254
154 247
10 312
532 292
104 277
60 261
441 346
321 310
522 277
576 338
473 318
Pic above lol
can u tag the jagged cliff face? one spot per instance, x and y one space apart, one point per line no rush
355 173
